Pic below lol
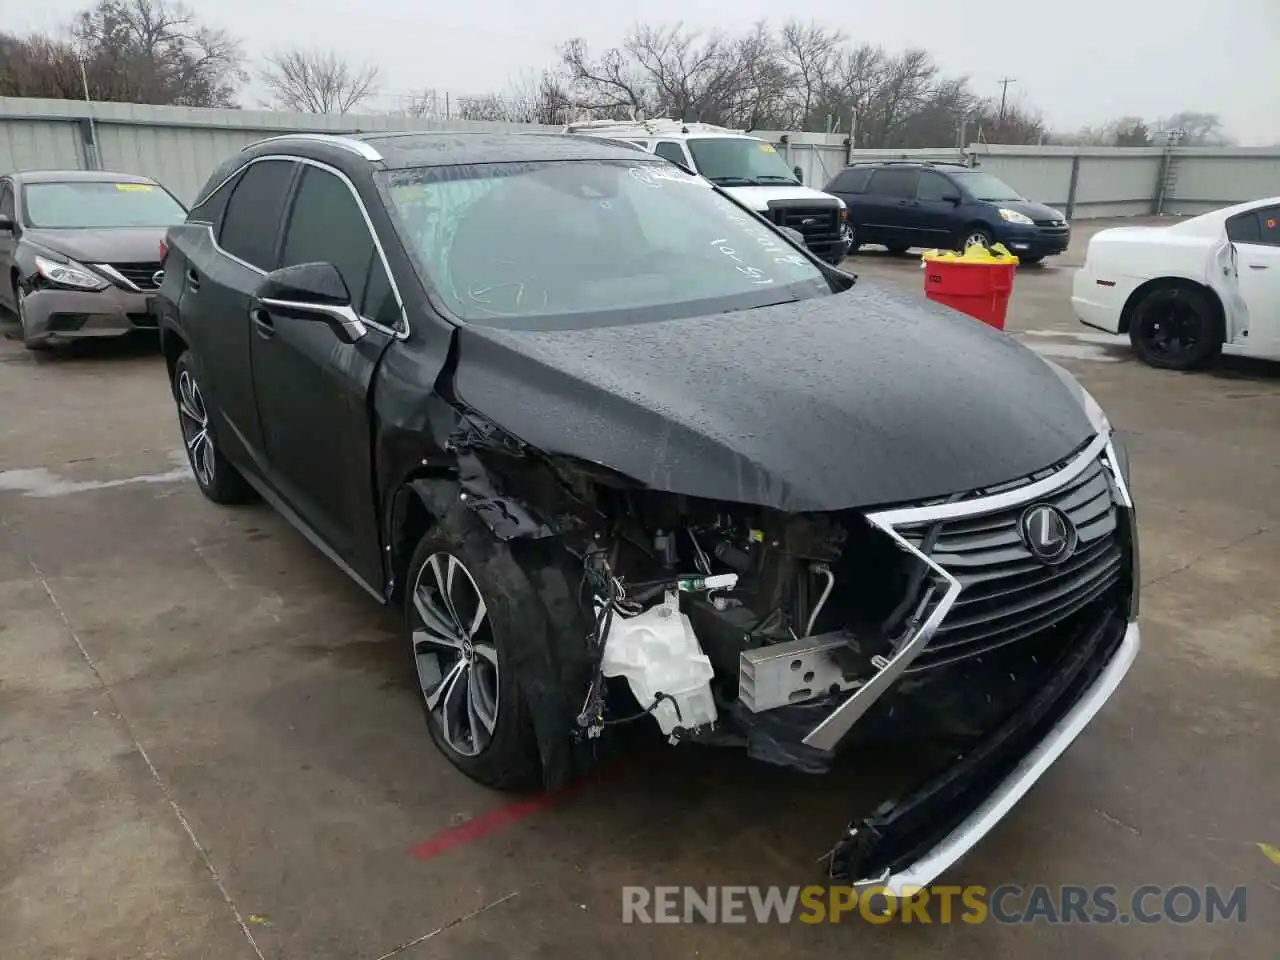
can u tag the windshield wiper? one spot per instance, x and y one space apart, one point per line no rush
778 176
734 181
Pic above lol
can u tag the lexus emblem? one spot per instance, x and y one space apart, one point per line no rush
1048 533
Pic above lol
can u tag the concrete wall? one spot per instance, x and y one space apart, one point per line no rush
180 147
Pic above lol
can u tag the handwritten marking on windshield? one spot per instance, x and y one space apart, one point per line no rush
757 275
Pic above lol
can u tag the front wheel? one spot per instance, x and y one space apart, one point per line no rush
975 237
1027 261
467 606
217 478
1176 328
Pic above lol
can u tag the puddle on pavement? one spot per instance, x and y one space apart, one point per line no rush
1062 344
41 482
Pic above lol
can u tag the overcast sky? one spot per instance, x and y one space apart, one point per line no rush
1079 61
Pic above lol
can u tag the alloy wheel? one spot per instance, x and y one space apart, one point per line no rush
455 654
194 418
22 310
976 239
1171 329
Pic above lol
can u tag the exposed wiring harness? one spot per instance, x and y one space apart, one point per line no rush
657 699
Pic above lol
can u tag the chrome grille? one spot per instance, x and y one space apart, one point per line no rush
815 223
139 274
1006 595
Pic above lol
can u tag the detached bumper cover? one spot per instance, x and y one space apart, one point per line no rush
57 314
906 845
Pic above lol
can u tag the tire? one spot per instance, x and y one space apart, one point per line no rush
896 249
20 310
217 478
479 720
1030 261
1176 328
974 235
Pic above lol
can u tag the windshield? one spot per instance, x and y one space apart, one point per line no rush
983 186
95 204
739 161
590 237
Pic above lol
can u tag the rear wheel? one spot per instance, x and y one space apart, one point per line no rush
217 478
1176 328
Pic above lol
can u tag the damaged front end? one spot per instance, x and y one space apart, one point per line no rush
800 637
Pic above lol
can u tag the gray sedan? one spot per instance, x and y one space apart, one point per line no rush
81 252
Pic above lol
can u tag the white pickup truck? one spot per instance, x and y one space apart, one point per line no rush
746 167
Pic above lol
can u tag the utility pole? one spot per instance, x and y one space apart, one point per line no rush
1004 94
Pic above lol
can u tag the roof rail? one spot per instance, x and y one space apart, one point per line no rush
358 147
657 126
918 163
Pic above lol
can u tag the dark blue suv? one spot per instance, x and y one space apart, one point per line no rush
903 204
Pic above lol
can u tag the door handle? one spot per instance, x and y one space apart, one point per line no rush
193 278
262 323
1257 266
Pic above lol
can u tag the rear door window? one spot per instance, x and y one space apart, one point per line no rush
1269 226
254 212
894 182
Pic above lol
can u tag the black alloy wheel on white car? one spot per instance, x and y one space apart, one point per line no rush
1176 328
460 610
217 478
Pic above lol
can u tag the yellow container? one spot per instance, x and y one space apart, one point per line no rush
974 254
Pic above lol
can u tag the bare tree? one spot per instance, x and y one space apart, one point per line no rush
136 51
609 87
317 81
809 52
1198 129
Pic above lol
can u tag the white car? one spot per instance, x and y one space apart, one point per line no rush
1186 292
747 168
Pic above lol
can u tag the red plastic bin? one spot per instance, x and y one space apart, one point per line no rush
978 288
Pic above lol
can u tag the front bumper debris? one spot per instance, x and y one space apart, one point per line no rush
907 844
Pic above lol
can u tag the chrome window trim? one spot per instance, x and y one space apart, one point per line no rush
116 275
828 734
401 333
358 147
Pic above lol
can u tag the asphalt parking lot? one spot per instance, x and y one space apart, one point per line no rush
210 746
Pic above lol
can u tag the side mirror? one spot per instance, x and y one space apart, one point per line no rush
953 198
799 174
796 236
6 223
312 291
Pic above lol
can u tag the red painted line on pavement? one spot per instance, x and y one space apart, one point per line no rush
490 823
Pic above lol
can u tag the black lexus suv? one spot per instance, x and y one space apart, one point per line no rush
655 461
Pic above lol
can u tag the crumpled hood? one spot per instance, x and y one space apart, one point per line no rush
107 245
864 398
